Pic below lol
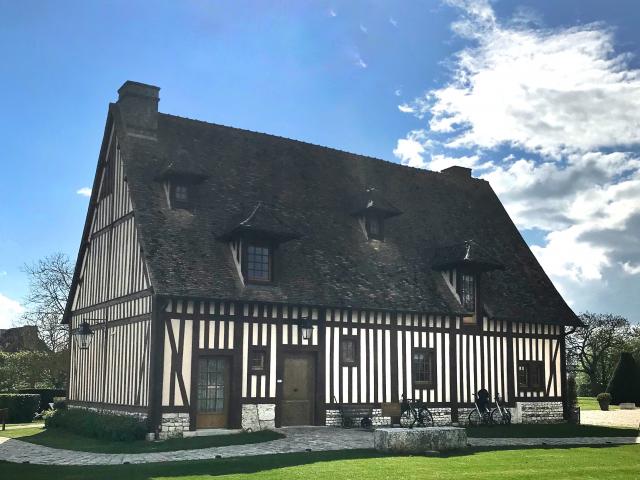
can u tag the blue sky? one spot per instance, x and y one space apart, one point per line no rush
539 97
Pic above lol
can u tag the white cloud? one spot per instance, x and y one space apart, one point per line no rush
364 29
393 21
10 310
332 13
360 62
410 150
84 191
631 269
564 109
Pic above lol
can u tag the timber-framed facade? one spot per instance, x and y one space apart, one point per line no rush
221 295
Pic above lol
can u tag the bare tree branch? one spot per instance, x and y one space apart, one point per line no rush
49 285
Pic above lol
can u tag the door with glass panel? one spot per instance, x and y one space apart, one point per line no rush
213 392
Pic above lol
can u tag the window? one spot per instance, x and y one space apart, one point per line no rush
258 360
258 264
182 194
423 367
349 350
468 292
179 195
530 375
374 226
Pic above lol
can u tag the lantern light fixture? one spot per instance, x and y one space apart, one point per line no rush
83 335
306 328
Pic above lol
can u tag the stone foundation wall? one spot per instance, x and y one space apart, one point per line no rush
334 419
258 416
173 424
537 412
441 416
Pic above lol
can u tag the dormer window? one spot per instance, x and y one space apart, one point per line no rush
374 225
467 292
181 194
258 263
253 241
371 210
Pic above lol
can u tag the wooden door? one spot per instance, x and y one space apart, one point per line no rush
298 389
213 392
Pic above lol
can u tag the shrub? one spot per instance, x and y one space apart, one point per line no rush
623 385
22 407
604 397
59 403
46 395
106 426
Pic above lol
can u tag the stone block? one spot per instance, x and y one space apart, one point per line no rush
419 440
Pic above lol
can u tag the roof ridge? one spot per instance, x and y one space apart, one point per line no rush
302 142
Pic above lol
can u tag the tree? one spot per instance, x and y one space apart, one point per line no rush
49 285
594 348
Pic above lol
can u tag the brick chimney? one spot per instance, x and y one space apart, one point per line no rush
457 172
138 103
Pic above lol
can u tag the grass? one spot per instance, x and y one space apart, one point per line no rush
57 438
619 462
559 430
590 403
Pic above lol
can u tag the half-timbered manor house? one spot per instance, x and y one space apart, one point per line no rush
234 279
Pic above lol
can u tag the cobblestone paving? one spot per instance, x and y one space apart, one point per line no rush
298 439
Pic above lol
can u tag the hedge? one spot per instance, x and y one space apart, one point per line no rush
22 406
623 385
106 426
46 395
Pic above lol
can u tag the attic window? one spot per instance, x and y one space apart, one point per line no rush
179 194
258 263
468 292
374 225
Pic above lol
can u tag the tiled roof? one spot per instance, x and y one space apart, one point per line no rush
312 190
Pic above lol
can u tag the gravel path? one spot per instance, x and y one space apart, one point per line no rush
612 418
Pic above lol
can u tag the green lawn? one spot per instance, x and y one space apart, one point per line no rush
619 462
57 438
560 430
590 403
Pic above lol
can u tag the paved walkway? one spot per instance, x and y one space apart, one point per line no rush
298 439
612 418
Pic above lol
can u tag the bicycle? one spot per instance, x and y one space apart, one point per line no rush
500 415
479 416
414 412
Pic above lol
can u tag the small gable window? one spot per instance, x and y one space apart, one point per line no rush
179 194
530 375
423 367
349 350
182 193
258 263
374 224
468 292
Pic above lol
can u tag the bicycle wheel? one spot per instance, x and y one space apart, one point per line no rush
425 419
474 418
507 416
407 419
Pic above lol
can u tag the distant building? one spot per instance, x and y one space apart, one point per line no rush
19 339
238 279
